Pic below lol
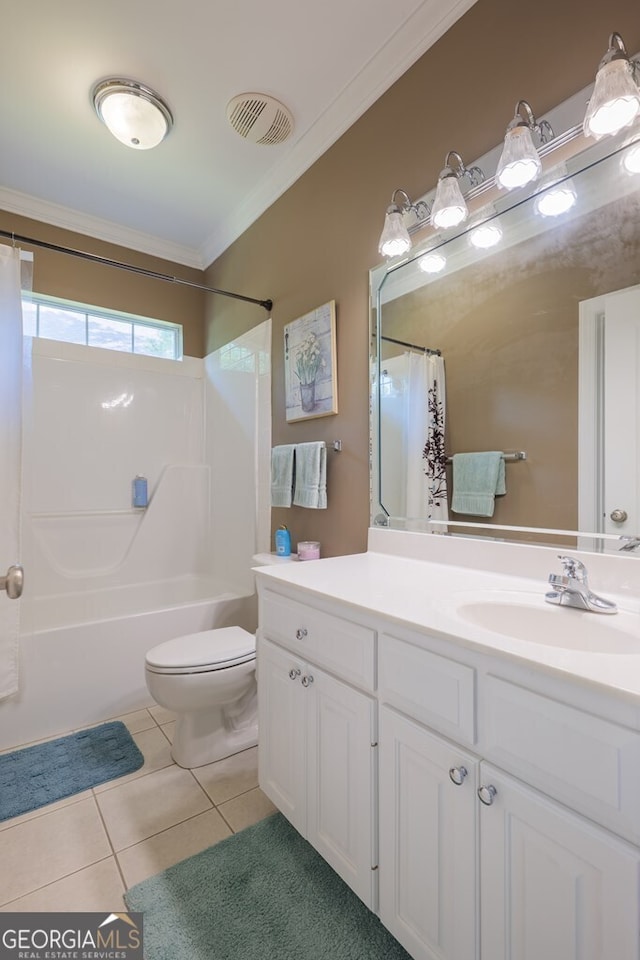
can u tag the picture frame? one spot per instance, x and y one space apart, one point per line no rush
311 383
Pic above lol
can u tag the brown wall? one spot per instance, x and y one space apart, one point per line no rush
318 241
70 278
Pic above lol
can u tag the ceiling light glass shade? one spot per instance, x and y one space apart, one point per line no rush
519 162
134 114
615 101
394 239
556 200
432 263
449 207
485 235
631 160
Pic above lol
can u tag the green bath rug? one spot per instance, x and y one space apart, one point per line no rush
262 894
35 776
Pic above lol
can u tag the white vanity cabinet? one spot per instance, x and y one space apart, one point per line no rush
475 863
507 802
552 884
428 839
318 734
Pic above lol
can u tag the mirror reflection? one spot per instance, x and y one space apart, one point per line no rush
518 341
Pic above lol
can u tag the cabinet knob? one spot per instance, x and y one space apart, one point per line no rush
301 633
486 794
293 673
457 775
307 680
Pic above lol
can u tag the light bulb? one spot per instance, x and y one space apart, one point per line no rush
449 207
615 101
519 162
486 235
631 160
395 239
556 200
432 263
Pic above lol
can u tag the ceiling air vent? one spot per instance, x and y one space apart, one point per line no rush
260 118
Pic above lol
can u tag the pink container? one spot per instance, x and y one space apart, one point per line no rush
309 550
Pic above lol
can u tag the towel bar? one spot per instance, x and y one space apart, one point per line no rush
517 455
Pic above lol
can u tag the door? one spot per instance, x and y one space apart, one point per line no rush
10 453
281 746
609 414
553 885
428 815
341 757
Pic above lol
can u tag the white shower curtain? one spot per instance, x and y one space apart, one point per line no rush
10 456
425 424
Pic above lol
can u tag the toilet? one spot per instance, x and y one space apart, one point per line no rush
209 680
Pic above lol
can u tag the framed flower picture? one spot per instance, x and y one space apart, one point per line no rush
311 386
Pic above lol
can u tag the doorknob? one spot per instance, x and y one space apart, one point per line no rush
13 582
618 516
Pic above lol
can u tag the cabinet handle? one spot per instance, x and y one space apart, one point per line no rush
486 794
293 673
457 775
301 633
307 681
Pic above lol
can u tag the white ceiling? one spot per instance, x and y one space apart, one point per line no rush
189 198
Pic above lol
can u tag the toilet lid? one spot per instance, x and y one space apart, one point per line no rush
200 652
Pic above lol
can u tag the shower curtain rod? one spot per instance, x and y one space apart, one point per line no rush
154 275
413 346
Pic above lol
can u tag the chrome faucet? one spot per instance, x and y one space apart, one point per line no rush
571 589
630 543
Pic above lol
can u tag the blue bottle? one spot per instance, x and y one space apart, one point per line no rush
283 542
140 497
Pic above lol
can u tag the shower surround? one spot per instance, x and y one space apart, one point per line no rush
105 581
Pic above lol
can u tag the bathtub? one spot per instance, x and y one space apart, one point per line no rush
82 655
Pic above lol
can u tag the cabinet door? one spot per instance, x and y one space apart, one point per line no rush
553 885
428 866
341 779
281 746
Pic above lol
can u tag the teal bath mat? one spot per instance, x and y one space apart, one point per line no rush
35 776
262 894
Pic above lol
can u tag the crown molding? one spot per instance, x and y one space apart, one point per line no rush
25 205
409 42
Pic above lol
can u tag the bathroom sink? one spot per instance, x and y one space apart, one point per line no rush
529 617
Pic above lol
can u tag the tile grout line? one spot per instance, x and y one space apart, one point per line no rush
66 876
109 841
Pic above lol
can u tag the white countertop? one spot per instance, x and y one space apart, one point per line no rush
429 594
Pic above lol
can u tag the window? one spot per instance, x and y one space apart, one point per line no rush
96 327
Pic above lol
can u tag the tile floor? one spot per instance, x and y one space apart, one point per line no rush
83 852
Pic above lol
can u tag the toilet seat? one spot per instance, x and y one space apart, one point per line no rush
202 652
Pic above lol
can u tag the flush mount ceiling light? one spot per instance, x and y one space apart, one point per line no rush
136 115
615 101
449 207
519 163
395 239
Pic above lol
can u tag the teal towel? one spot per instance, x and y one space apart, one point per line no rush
311 475
282 474
477 479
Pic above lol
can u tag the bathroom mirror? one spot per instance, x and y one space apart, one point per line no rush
539 335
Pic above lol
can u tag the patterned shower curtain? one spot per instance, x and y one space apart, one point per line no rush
433 452
426 486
